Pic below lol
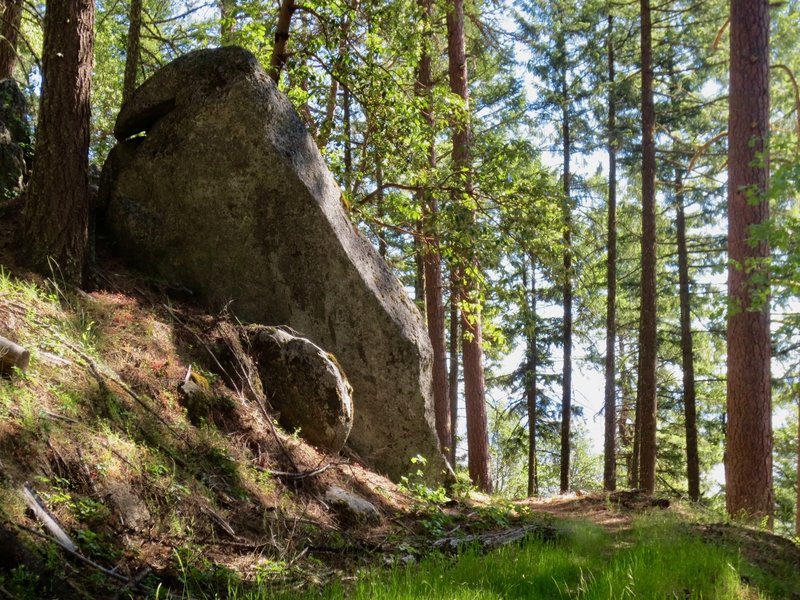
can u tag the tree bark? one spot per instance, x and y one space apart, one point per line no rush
132 50
474 387
610 403
530 376
9 32
566 381
748 460
57 208
279 55
646 391
687 352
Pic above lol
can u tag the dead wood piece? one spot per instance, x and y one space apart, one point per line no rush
47 518
53 359
12 355
495 539
220 521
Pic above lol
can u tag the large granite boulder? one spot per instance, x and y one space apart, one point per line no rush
227 195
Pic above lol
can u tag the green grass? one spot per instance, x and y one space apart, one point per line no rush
659 558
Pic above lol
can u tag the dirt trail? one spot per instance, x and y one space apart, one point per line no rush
614 511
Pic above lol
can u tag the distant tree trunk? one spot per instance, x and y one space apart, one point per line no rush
57 208
132 49
418 244
797 483
348 141
646 392
227 27
453 370
379 199
530 376
633 473
748 460
687 352
431 256
279 54
436 324
627 433
566 382
474 392
610 404
12 19
337 74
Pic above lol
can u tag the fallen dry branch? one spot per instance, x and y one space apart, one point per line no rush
495 539
47 518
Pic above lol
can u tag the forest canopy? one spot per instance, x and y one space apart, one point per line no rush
593 204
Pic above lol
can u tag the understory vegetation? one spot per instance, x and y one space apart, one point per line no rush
165 498
658 557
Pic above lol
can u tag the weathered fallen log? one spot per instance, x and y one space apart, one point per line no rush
12 355
494 539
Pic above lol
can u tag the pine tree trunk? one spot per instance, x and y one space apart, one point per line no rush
478 459
687 352
748 459
797 483
646 392
348 142
566 381
627 433
453 370
279 54
474 386
337 73
132 50
431 256
57 208
633 472
530 377
379 199
610 403
12 19
436 323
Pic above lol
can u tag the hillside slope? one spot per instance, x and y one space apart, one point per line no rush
167 494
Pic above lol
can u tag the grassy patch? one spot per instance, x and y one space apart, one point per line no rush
659 558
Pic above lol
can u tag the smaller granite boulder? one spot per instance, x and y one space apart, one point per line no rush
305 384
352 509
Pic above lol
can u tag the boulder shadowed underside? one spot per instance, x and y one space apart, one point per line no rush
228 196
